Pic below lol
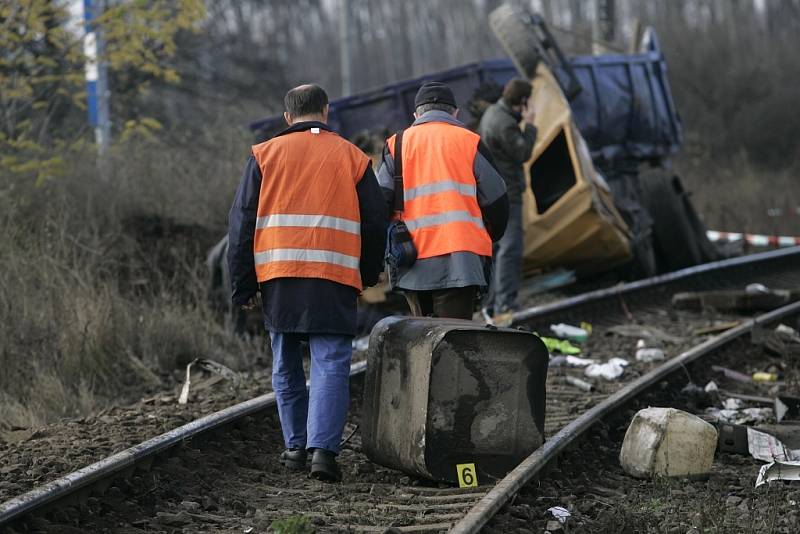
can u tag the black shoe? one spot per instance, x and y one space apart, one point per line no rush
294 459
324 466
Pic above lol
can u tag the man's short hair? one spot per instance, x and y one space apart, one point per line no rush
434 106
309 99
517 91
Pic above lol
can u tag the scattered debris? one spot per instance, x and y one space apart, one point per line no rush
575 361
733 375
648 354
559 345
218 369
652 334
756 289
570 361
711 387
647 450
740 416
578 383
764 377
716 328
787 407
732 404
610 370
560 513
778 471
567 331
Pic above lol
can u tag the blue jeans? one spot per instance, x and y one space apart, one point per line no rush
315 418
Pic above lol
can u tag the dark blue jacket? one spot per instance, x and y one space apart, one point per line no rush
303 305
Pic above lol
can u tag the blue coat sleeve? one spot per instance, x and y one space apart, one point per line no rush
241 229
373 227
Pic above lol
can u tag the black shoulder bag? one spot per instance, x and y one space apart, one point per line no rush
400 250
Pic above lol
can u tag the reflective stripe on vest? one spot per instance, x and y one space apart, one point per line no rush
306 255
443 218
439 187
308 223
441 206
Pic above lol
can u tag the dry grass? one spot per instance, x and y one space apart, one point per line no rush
102 282
735 195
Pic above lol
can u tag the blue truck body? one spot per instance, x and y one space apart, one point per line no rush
624 111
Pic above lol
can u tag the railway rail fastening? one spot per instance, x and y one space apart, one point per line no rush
411 507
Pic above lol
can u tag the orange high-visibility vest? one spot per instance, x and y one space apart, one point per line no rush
440 193
308 223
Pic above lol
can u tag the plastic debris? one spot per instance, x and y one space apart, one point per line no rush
668 442
711 387
733 404
733 375
778 471
575 361
756 289
788 332
648 354
740 417
570 332
578 383
610 370
560 513
559 345
587 326
764 377
570 361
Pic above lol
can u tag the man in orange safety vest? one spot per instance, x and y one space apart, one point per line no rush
307 230
454 205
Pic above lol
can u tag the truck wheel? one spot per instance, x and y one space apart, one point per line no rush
675 241
516 34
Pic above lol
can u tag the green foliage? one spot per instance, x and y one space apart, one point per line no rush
293 525
42 93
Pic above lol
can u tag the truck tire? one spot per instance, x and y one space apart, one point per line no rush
675 240
516 34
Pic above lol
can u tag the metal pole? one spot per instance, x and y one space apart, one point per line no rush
344 46
96 77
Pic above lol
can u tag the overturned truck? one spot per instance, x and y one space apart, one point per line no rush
599 194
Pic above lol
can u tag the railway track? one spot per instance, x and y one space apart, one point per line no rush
220 472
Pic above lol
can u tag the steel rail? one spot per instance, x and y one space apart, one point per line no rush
503 491
129 458
109 467
648 283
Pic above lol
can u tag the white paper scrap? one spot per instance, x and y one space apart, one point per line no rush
778 471
610 370
576 361
732 404
560 513
768 448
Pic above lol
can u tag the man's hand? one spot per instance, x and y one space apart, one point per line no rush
251 304
528 114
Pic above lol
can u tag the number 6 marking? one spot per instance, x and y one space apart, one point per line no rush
467 478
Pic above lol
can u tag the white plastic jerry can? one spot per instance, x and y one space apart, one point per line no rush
668 442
